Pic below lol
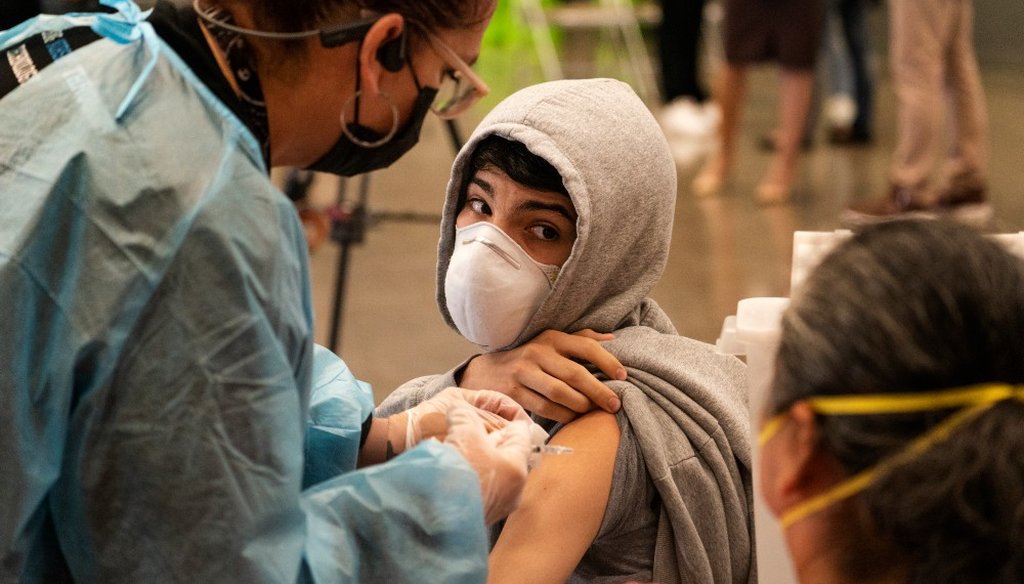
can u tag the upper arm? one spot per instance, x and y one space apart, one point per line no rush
562 506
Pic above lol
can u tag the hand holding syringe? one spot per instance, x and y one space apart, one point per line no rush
538 435
434 425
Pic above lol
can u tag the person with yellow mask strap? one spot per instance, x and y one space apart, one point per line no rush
892 446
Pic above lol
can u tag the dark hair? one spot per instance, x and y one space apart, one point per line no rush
294 15
514 159
911 307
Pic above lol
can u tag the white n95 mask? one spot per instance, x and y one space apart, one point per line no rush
493 287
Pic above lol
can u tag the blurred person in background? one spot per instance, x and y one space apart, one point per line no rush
936 78
850 78
789 32
689 117
846 97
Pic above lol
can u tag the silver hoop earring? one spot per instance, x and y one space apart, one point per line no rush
364 143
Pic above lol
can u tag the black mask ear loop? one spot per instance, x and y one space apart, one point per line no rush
359 83
412 71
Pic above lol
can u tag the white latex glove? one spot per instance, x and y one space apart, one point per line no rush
494 402
499 457
427 420
538 438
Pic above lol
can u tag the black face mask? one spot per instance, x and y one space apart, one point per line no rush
346 158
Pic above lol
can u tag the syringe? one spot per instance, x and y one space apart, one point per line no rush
549 449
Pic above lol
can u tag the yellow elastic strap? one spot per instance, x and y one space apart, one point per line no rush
982 398
771 428
898 403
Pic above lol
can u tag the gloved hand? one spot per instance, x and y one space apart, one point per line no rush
427 420
499 457
493 402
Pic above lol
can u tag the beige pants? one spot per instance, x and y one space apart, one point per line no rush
935 75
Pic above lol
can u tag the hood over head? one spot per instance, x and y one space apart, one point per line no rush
616 166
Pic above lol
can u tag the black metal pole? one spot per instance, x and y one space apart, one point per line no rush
348 228
453 133
338 300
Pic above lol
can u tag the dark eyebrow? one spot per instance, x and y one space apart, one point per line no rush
556 207
486 186
559 208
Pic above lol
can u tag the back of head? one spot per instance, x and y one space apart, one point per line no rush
918 307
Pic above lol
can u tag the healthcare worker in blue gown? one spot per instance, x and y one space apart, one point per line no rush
164 415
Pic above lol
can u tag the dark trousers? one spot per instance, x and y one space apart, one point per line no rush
851 14
679 44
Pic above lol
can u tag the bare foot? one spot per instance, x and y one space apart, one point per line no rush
711 178
777 184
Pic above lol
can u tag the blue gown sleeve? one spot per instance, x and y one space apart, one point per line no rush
417 518
338 405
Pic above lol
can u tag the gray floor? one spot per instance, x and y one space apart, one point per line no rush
724 249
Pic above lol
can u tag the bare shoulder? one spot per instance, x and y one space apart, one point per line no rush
590 431
594 439
562 507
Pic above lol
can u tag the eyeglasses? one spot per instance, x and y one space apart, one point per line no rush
460 87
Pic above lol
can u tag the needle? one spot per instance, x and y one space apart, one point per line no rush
547 449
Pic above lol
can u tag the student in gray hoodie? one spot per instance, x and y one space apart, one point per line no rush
558 217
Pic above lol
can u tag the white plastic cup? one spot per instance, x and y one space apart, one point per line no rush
758 326
758 329
809 248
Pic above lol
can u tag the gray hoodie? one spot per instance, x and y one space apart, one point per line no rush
680 509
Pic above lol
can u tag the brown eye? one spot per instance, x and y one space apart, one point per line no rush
479 207
545 232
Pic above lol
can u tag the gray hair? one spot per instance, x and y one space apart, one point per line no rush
910 307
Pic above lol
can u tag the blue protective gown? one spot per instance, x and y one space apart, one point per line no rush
158 382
